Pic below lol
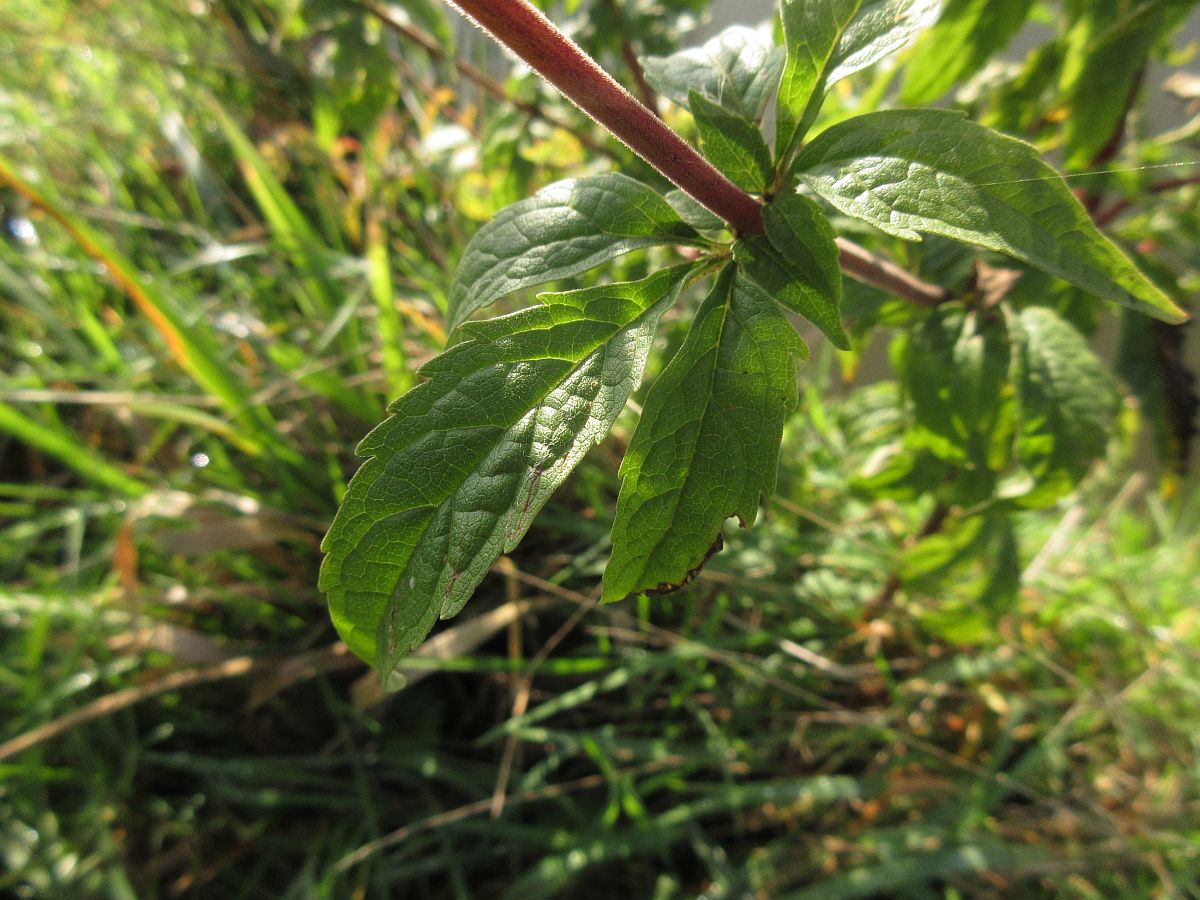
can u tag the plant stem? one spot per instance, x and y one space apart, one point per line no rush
530 35
869 268
536 40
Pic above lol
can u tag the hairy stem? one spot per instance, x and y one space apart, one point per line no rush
530 35
535 39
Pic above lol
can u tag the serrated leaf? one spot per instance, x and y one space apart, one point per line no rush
965 36
455 476
565 228
737 69
1066 402
953 367
908 171
707 445
811 34
797 263
732 143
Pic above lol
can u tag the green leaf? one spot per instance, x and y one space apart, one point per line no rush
907 171
811 34
707 444
828 40
1066 401
732 143
880 29
455 476
565 228
796 262
954 367
1105 51
737 69
964 38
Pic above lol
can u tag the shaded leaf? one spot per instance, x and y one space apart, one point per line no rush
707 444
1151 359
908 171
565 228
690 210
737 69
954 367
1066 401
732 143
455 476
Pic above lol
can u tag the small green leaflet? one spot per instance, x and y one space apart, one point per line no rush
732 143
565 228
455 476
908 171
737 69
797 263
1066 402
828 40
707 445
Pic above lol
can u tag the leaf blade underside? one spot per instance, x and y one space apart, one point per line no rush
454 477
707 445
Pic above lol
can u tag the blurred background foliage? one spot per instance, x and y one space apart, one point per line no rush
229 229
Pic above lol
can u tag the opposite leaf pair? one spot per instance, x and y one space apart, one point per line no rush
454 477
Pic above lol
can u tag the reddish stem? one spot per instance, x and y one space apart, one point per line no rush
550 53
534 38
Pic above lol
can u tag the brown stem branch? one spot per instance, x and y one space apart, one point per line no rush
863 265
882 601
1104 217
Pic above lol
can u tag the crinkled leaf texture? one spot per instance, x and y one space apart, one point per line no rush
707 445
796 262
454 477
1066 399
880 28
737 69
565 228
935 171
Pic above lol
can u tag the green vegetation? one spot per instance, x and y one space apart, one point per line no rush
957 655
